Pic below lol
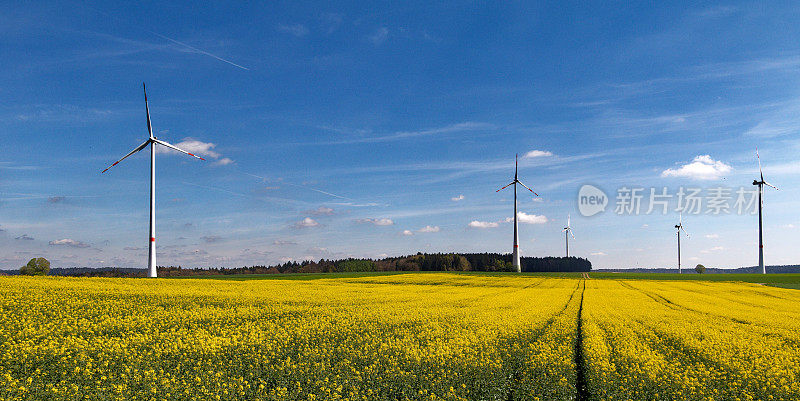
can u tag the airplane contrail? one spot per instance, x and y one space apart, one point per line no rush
197 50
300 186
170 39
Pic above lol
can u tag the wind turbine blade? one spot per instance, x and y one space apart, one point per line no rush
570 233
759 165
512 182
568 220
516 165
160 142
138 148
520 183
147 110
770 185
684 231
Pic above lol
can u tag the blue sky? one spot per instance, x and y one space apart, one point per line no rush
335 130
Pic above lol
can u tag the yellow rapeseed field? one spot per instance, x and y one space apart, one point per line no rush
691 340
413 336
432 336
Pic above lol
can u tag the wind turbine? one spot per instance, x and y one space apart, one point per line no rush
761 184
515 252
678 229
152 141
567 232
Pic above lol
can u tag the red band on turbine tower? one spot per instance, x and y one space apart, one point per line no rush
516 246
152 239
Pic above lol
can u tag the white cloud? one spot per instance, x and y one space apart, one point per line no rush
199 148
523 217
192 146
600 253
457 198
223 162
483 224
429 229
537 153
711 236
407 233
790 225
70 242
703 167
377 222
307 222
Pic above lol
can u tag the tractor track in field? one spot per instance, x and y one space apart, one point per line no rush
515 373
582 393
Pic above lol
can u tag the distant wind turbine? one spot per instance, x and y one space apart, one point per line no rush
761 184
567 234
515 253
152 141
678 229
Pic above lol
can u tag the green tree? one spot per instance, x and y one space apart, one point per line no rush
36 267
700 269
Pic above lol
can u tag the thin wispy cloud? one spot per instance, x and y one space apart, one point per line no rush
457 198
321 211
298 30
331 22
70 242
401 135
377 222
379 36
210 239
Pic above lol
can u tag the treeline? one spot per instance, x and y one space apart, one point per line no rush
778 269
485 262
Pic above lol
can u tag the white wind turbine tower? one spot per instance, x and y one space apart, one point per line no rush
761 184
515 252
152 141
678 229
567 232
